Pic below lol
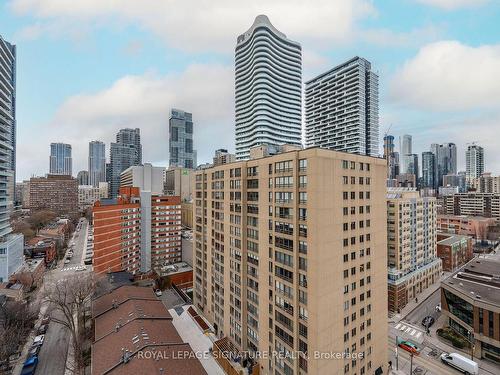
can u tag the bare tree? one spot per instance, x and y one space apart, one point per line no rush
67 300
17 319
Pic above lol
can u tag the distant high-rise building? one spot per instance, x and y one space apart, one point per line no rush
222 156
124 153
268 93
83 178
11 245
445 161
182 153
342 109
474 162
391 157
145 177
97 163
405 149
428 170
60 159
410 162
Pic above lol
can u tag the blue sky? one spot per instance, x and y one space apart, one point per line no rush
86 68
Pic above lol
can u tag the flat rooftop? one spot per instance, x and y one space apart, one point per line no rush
175 268
450 238
478 279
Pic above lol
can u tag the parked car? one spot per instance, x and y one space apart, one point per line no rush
34 350
158 292
461 363
39 340
29 366
409 347
428 321
66 261
42 330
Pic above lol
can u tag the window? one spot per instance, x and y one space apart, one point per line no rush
345 164
302 197
302 181
283 166
302 165
345 180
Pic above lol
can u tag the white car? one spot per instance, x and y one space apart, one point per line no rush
66 261
38 341
158 292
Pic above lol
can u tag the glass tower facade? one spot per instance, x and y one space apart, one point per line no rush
60 159
182 153
97 163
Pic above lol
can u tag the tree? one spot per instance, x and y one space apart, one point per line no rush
67 299
21 226
39 219
16 321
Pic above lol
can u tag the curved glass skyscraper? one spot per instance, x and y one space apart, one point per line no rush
268 88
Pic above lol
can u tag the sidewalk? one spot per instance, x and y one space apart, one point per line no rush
422 297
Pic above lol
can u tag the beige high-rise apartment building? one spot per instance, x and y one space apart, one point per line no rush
290 259
412 264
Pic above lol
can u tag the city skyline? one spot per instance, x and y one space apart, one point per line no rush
196 72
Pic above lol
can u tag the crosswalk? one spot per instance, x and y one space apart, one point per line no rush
411 332
74 268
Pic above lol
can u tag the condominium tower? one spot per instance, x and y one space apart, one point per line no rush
97 163
268 90
60 159
290 256
474 163
445 159
412 260
124 153
182 153
11 245
342 109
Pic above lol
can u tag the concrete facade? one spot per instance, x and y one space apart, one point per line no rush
290 256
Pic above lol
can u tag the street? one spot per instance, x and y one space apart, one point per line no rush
424 309
52 356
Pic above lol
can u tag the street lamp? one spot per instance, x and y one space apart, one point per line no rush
470 337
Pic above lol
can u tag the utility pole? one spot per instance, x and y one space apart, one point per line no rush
397 356
411 363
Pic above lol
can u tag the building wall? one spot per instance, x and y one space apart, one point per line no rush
117 234
181 142
413 264
165 231
11 255
187 214
179 181
306 298
60 159
476 227
58 193
456 254
145 177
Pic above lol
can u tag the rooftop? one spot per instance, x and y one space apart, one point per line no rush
175 268
120 295
478 279
448 239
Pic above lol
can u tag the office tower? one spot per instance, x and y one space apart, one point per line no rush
474 163
145 177
181 149
152 223
57 193
60 159
268 92
82 177
428 169
412 261
124 153
445 160
291 255
410 164
11 245
97 163
342 109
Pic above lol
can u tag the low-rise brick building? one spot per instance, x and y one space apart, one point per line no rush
454 250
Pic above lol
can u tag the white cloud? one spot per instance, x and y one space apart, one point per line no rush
142 101
449 76
453 4
204 25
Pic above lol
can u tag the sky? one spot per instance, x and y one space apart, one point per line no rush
87 68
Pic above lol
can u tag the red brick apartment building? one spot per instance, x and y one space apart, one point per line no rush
117 231
474 226
136 232
165 230
454 250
